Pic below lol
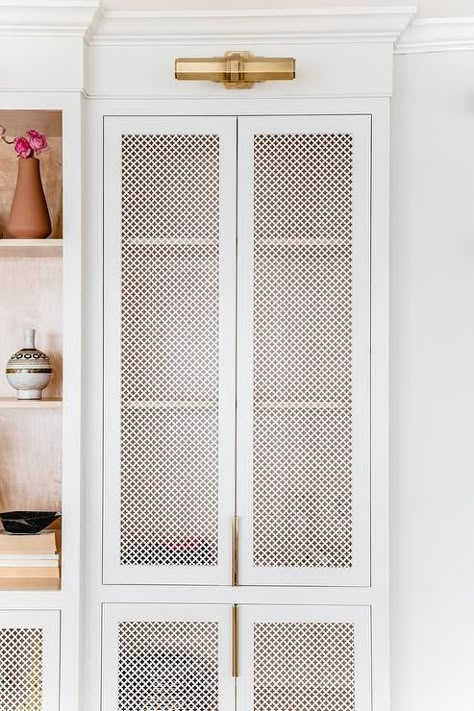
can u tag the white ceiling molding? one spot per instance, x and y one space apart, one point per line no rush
437 35
347 25
49 18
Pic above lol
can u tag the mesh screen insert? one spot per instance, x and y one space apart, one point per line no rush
307 666
169 349
21 669
168 666
302 445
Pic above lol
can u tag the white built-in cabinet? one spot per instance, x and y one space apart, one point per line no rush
288 657
237 274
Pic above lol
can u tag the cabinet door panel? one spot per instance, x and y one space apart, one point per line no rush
29 660
304 657
169 343
304 350
167 657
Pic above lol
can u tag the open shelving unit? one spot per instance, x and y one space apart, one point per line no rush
31 274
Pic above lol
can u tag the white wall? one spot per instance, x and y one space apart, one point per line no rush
432 383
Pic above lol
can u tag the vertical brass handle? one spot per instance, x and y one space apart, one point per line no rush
235 641
235 551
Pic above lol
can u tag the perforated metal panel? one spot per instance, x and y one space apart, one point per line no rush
306 666
21 669
169 349
302 446
169 488
170 666
170 186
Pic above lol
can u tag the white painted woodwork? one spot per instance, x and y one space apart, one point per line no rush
311 429
306 656
344 65
125 525
375 596
41 442
198 634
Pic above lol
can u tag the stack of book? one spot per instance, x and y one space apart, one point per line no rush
29 561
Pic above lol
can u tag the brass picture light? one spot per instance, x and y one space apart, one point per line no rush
236 70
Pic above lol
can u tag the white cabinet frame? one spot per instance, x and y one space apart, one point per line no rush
360 128
114 572
249 615
48 621
113 614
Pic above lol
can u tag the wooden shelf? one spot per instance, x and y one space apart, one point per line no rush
31 247
46 404
30 584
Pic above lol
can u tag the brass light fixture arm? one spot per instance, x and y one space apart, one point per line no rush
236 70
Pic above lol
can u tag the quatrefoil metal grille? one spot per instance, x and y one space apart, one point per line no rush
170 350
303 350
168 665
304 666
21 669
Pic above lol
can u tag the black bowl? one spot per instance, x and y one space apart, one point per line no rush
27 521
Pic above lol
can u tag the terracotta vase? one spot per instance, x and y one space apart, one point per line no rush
29 216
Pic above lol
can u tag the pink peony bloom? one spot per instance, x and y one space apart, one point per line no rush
2 131
37 141
23 148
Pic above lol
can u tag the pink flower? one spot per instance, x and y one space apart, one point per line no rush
2 131
23 148
38 142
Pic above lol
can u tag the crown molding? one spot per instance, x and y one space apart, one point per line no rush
437 35
347 25
49 18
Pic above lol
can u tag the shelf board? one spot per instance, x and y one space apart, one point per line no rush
33 584
46 404
31 247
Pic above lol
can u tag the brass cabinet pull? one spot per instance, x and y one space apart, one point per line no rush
235 551
235 641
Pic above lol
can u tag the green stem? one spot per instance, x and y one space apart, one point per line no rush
10 143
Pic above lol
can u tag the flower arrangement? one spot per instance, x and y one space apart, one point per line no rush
28 146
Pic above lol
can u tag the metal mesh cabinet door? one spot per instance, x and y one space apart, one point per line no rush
304 657
169 343
304 350
29 660
167 657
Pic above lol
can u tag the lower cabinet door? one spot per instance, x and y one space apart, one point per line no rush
305 657
167 657
29 660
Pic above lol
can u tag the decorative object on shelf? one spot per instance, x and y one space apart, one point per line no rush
29 370
29 216
23 522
